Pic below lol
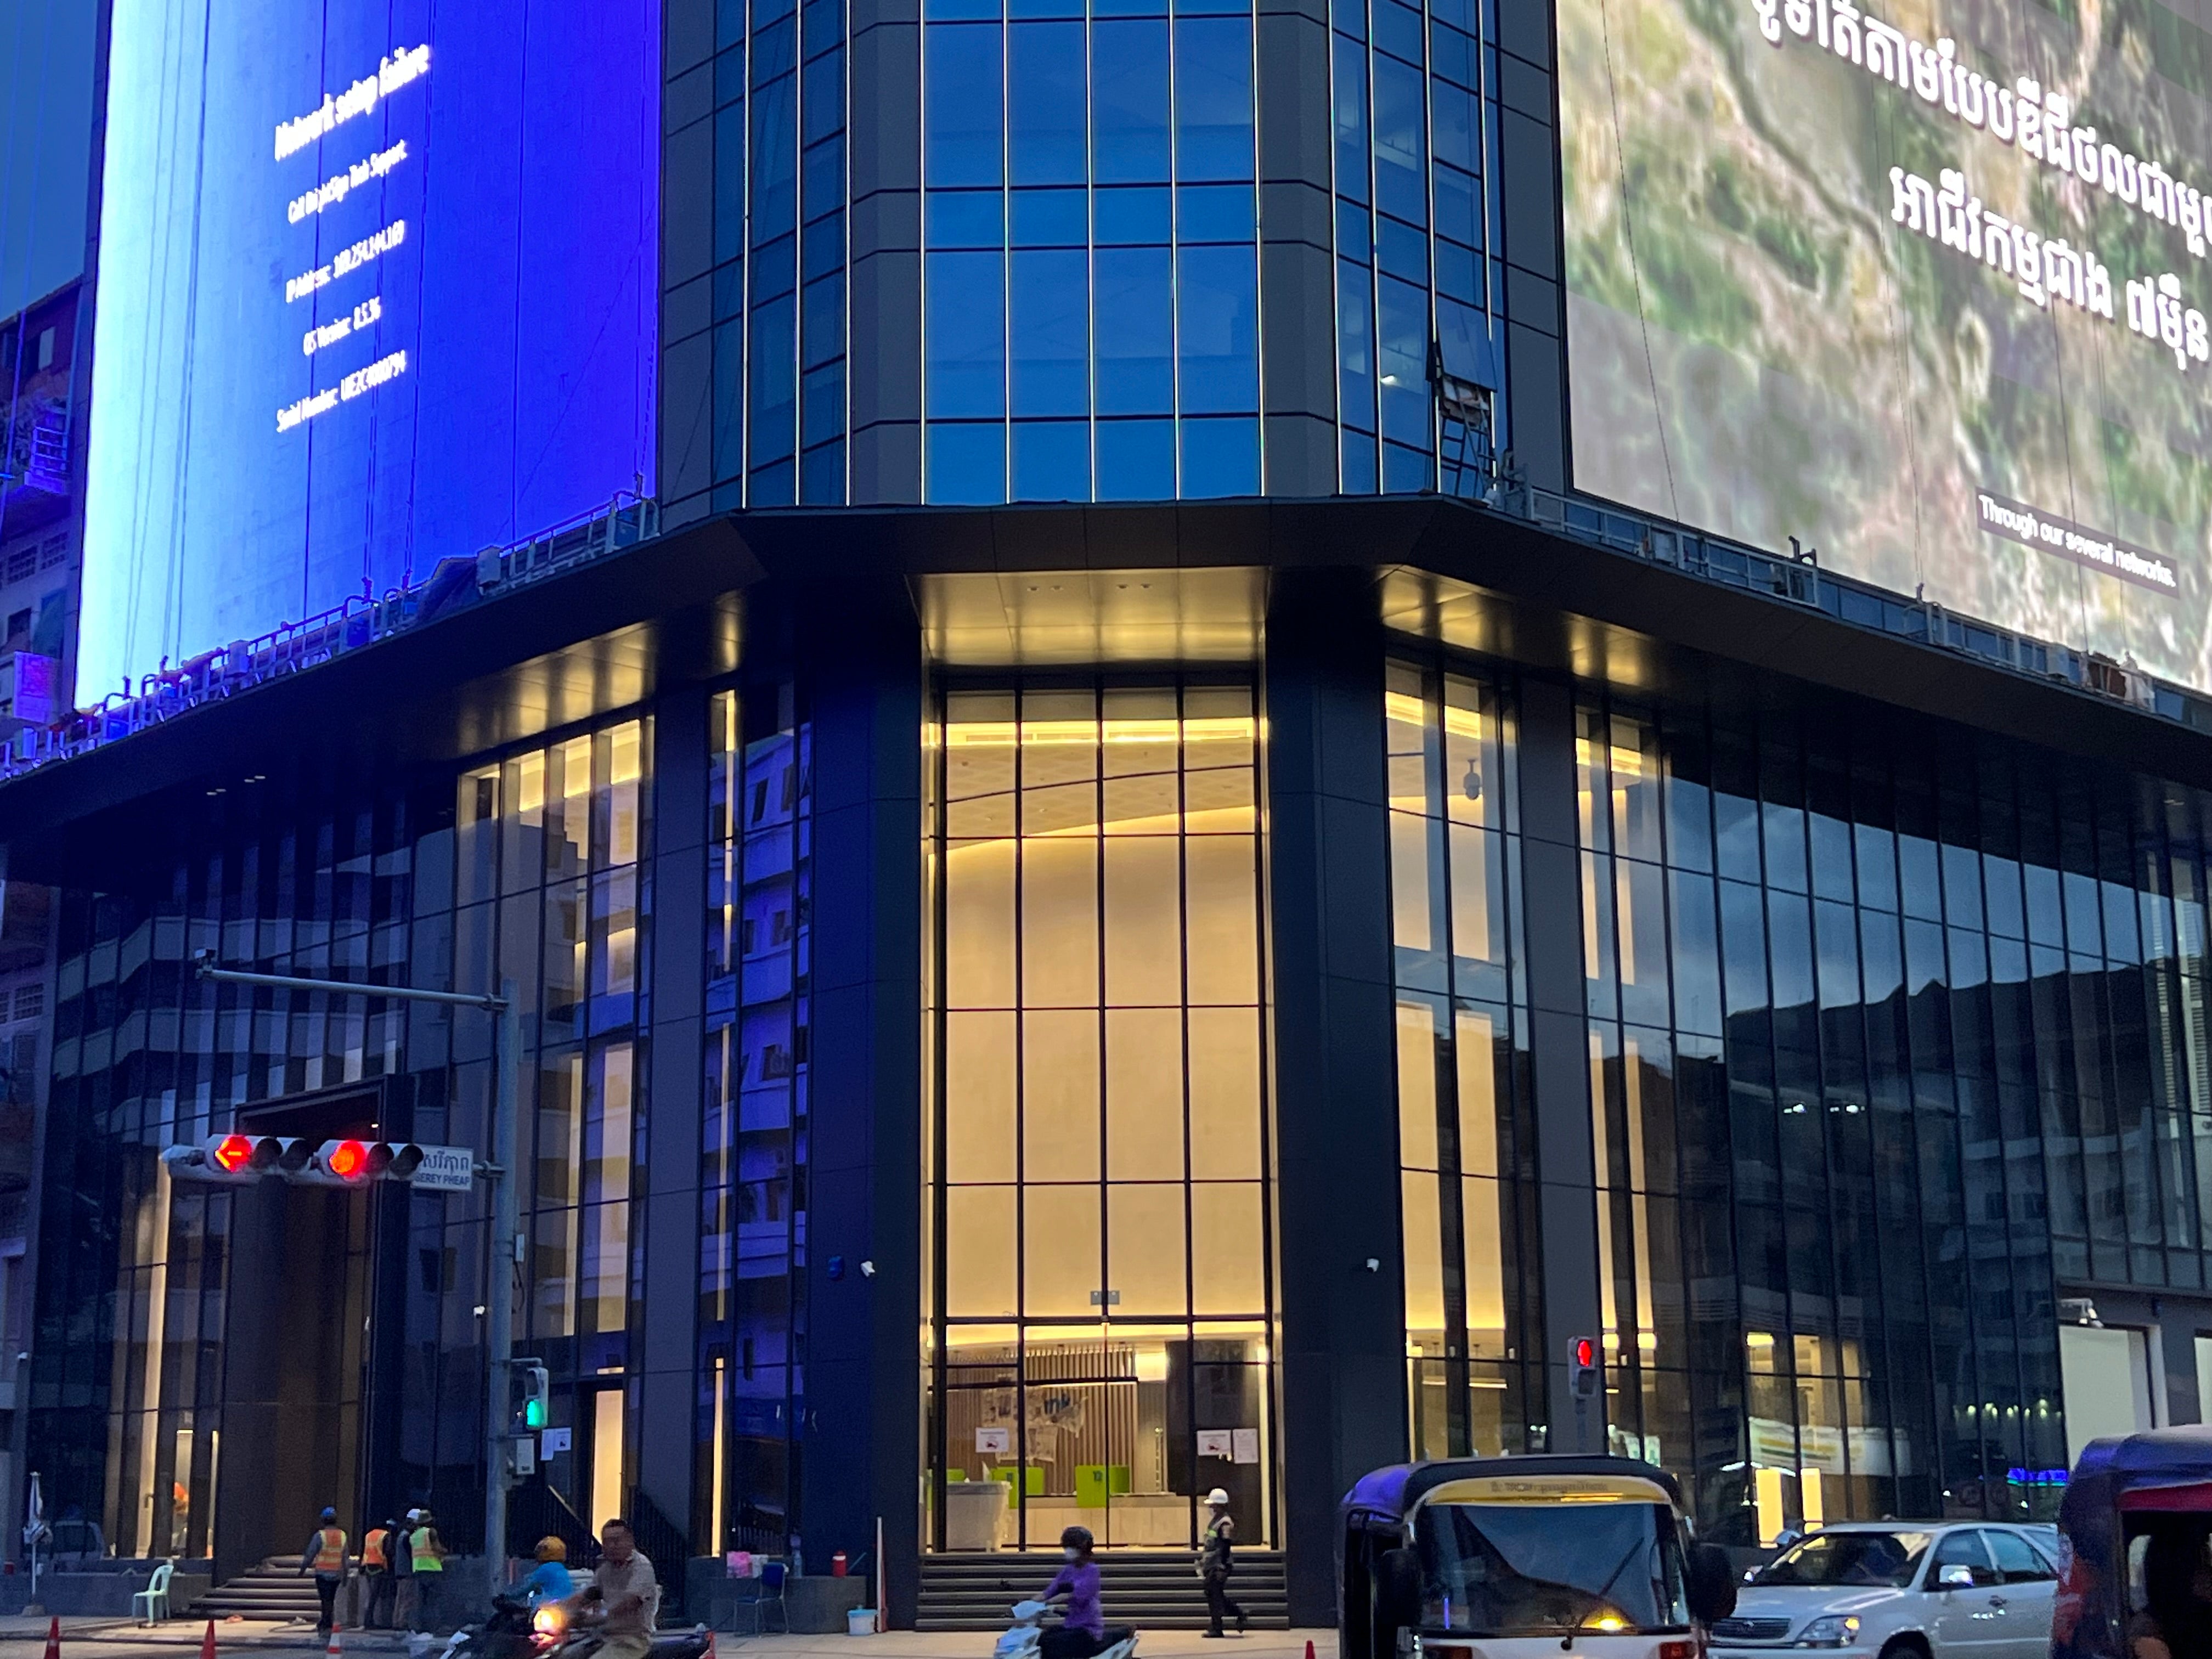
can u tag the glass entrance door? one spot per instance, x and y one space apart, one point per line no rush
1101 1302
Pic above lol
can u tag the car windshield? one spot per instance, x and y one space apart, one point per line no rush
1539 1569
1838 1559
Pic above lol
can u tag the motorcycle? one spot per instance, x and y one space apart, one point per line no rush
1021 1642
559 1637
509 1633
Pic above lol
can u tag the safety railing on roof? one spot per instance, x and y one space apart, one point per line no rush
1498 487
1798 579
362 620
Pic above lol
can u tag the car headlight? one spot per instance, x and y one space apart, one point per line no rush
1838 1630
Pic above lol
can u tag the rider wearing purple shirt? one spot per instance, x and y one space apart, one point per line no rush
1082 1631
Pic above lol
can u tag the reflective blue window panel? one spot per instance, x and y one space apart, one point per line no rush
1355 324
1402 170
964 218
1138 214
774 162
1402 354
1052 461
823 403
1129 101
730 181
962 139
1220 457
773 362
1045 103
822 476
1136 334
1358 463
729 290
729 400
1215 213
1213 98
1217 307
965 462
1049 329
1048 218
1136 460
963 337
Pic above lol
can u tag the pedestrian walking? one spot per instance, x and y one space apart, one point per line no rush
426 1566
326 1554
376 1550
1214 1564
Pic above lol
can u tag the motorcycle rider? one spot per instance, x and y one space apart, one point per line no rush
628 1595
1082 1630
550 1579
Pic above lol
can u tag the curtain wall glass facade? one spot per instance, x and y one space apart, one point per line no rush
1896 1035
529 872
753 1195
1100 1322
1466 1139
1090 278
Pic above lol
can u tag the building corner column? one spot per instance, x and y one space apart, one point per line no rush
667 1362
862 1430
1558 1027
1340 1293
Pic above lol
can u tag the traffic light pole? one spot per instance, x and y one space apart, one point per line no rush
499 1171
499 1312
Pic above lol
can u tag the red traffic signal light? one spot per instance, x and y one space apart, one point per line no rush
346 1160
235 1159
1586 1377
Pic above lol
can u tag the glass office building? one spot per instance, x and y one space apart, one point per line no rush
1111 903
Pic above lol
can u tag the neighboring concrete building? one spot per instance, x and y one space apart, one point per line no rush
1110 897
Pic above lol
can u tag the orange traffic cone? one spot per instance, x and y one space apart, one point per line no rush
1309 1652
710 1653
334 1651
207 1641
54 1638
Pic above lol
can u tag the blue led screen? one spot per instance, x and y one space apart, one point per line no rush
377 286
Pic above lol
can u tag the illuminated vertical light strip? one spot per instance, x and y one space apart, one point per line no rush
714 1481
141 377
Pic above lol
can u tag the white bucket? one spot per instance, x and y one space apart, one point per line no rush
860 1621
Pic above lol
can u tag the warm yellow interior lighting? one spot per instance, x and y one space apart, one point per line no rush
1004 734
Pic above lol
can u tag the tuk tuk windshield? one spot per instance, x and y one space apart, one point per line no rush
1544 1568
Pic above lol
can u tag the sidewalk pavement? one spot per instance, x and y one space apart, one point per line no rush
17 1633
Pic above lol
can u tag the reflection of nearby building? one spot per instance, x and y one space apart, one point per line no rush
38 468
39 524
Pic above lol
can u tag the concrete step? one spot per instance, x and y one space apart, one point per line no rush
1151 1589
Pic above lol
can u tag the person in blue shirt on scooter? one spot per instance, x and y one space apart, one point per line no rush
550 1579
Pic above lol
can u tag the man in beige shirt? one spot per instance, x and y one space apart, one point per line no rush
627 1593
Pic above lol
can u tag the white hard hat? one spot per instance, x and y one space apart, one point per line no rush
1217 1498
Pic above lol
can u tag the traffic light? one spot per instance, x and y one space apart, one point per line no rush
235 1159
222 1160
1587 1377
536 1394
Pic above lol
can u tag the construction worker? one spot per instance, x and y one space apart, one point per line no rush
403 1573
376 1551
326 1554
426 1563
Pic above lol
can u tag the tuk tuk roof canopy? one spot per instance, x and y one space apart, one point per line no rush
1390 1493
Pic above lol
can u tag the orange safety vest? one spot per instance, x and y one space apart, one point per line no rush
371 1547
330 1550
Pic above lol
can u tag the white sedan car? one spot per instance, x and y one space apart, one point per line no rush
1901 1589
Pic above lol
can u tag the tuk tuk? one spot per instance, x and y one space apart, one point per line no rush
2133 1529
1510 1557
